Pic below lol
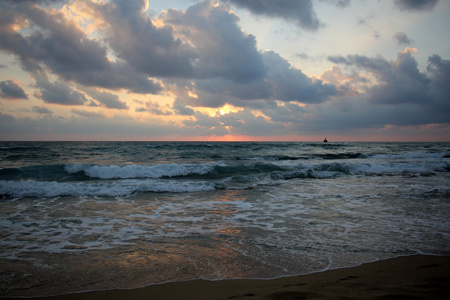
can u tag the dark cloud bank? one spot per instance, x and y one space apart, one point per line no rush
11 90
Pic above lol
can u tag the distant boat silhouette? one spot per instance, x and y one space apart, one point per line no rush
325 140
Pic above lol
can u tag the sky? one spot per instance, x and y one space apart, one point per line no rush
227 70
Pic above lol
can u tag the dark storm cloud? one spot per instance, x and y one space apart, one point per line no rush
232 69
291 84
107 100
149 49
224 50
415 96
378 64
59 93
222 59
282 82
289 112
300 12
439 70
401 38
418 5
11 90
402 96
60 46
216 92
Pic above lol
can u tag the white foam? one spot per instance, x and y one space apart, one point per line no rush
31 188
140 171
326 170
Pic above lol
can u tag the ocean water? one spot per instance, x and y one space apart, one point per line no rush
77 216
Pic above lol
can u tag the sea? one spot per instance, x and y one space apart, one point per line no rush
83 216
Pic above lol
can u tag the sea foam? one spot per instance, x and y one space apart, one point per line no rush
32 188
140 171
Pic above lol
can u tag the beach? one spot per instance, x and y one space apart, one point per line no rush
408 277
224 149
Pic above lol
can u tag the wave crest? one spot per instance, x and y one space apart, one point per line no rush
32 188
140 171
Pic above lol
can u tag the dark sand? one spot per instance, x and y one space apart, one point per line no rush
410 277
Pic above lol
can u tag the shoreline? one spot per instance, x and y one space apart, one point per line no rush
404 277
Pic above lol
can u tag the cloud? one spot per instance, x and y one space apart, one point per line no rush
300 12
231 69
377 64
223 49
291 84
349 84
59 45
182 109
136 40
222 60
87 114
401 38
285 112
242 122
106 99
398 82
202 58
5 119
154 108
281 82
302 55
416 5
439 70
401 96
157 109
46 2
90 126
414 97
11 90
42 110
59 93
338 3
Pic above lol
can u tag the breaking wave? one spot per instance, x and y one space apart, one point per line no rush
116 180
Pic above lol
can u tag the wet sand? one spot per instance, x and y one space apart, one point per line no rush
409 277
